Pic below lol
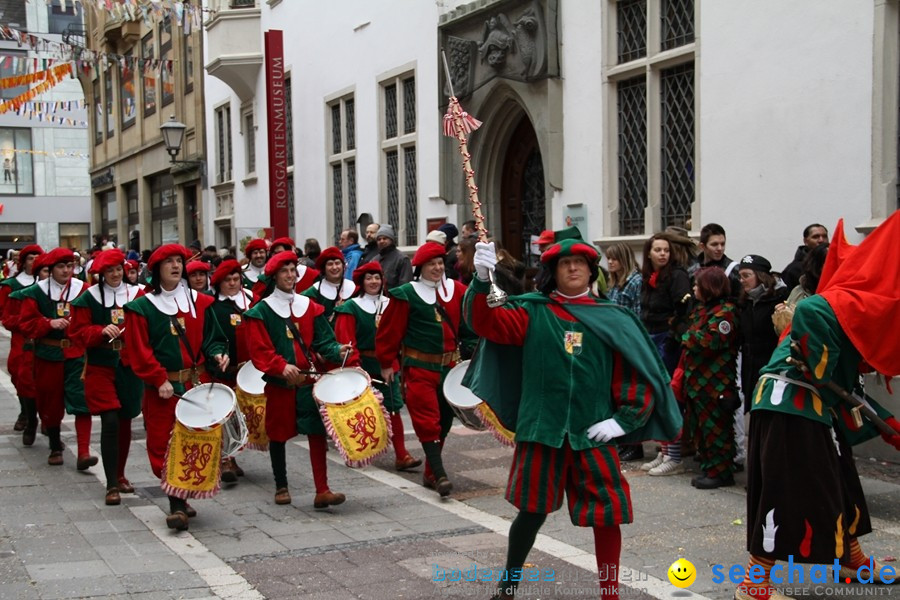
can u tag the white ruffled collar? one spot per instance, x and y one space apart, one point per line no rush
330 290
114 297
428 290
61 293
285 304
252 273
25 279
242 299
371 303
180 299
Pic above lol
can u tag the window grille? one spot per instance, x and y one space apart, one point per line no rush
632 112
676 23
631 29
338 189
393 188
409 105
409 170
390 111
677 103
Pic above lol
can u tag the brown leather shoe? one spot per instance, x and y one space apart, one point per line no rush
20 422
428 482
112 497
86 462
229 475
56 458
329 498
282 496
125 486
28 436
191 511
178 521
443 487
407 462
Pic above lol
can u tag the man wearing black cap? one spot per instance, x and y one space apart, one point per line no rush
451 232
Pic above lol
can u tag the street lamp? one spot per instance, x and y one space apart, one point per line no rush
173 136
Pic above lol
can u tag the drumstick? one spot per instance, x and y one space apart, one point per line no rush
194 402
121 331
346 354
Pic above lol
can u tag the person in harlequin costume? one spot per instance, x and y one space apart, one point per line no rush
355 324
306 276
232 301
256 252
198 275
332 289
575 375
423 326
111 389
709 386
170 336
804 497
45 316
21 280
285 329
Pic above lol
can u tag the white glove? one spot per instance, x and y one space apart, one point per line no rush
485 259
605 430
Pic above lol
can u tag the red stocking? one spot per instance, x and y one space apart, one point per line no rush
608 547
83 434
397 437
317 449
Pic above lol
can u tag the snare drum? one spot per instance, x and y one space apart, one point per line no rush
470 409
211 406
353 416
252 402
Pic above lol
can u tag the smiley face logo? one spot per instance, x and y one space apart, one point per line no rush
682 573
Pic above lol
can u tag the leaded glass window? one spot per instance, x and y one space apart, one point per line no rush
350 117
351 193
338 191
409 168
631 29
390 111
632 114
393 188
336 128
409 105
677 102
676 23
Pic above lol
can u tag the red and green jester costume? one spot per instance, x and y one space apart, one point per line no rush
804 497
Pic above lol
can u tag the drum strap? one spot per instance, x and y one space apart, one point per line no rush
293 327
440 308
183 337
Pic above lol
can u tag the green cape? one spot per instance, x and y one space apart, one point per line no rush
495 374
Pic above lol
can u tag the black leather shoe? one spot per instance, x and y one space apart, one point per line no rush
711 483
629 453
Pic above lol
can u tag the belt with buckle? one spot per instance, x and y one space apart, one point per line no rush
63 343
369 353
184 375
435 359
116 345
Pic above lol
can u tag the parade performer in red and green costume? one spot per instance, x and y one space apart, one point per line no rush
332 289
306 276
285 329
573 375
232 301
423 326
804 497
170 335
111 388
46 314
256 252
355 323
709 385
19 366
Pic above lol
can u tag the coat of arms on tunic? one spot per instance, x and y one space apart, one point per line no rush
573 342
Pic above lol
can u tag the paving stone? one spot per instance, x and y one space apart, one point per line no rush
80 587
148 563
68 570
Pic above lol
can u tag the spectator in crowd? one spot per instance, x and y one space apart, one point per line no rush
465 253
396 266
710 378
198 275
509 272
712 247
813 264
684 250
760 293
469 229
311 251
665 301
349 244
451 232
371 249
545 240
814 235
209 253
624 285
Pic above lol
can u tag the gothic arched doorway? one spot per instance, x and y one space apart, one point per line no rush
522 194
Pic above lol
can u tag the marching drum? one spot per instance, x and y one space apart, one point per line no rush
472 410
352 414
252 402
461 399
212 406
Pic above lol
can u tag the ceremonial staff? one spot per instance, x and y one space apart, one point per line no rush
458 124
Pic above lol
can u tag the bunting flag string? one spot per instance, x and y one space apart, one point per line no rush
37 90
54 106
54 73
50 153
186 15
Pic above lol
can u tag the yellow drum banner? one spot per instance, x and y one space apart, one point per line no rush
193 463
360 428
254 408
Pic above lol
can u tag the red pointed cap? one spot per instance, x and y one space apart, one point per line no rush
165 251
428 251
225 268
106 259
197 265
330 253
257 244
278 261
